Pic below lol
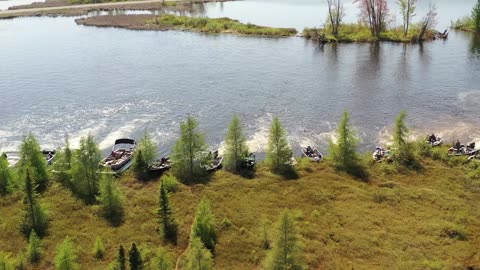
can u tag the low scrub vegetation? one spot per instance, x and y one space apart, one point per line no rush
220 25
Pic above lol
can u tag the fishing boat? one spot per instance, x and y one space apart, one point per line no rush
217 162
312 153
12 158
49 155
160 165
249 162
434 140
381 154
121 157
462 150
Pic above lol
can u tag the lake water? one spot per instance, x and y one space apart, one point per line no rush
57 78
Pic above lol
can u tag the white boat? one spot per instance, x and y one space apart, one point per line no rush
312 153
121 157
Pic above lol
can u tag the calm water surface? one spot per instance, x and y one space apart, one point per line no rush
58 78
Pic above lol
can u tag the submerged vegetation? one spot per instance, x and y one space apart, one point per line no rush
220 25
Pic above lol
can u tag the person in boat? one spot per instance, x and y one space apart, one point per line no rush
432 139
458 145
378 153
309 151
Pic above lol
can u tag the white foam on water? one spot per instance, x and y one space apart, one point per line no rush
258 142
122 132
74 139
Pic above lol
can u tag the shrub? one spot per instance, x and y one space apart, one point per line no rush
170 182
98 248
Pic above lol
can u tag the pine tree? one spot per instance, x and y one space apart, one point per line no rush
34 251
144 156
134 258
111 200
64 164
402 153
204 225
188 152
166 219
286 253
162 261
34 217
278 152
344 153
198 257
98 248
264 233
236 146
6 176
68 155
84 171
31 158
5 261
66 257
120 262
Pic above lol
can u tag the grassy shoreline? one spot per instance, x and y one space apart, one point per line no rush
361 33
464 24
422 220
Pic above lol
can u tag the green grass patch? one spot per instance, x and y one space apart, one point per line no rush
464 24
220 25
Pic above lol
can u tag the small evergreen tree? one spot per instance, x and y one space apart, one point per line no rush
236 146
198 257
64 164
144 156
476 16
343 153
66 257
278 152
162 261
84 170
403 152
264 232
5 261
34 251
34 217
120 262
166 219
134 258
204 225
31 158
111 199
189 151
98 248
6 176
286 253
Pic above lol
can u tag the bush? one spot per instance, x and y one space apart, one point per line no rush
170 182
98 248
226 223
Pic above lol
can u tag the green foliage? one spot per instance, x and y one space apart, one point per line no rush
6 176
98 248
63 165
236 146
344 153
165 214
145 155
403 150
266 242
34 251
279 152
162 260
134 258
111 199
198 257
6 262
34 216
189 152
84 170
66 257
286 252
407 10
204 225
170 182
476 16
31 158
120 262
226 223
465 24
220 25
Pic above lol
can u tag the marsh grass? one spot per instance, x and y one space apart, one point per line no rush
220 25
464 24
416 220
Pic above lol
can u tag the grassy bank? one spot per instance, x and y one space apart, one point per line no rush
426 220
220 25
464 24
362 33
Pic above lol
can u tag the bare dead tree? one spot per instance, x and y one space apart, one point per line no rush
407 9
336 12
375 13
429 21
